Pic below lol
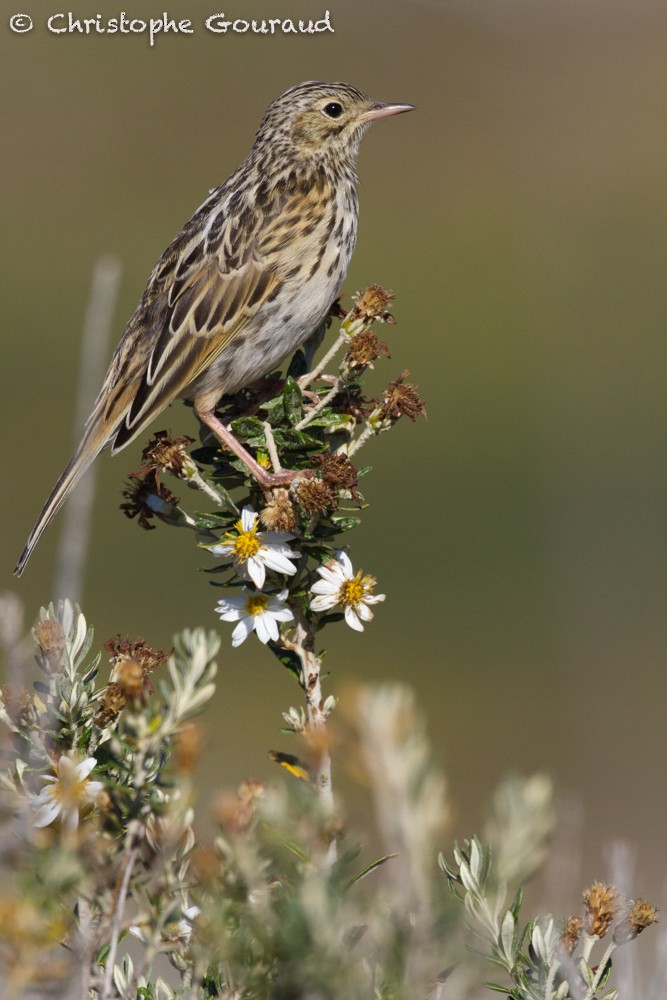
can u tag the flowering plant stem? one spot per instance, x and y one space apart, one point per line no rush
135 833
302 644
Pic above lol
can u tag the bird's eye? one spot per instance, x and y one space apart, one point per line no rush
333 109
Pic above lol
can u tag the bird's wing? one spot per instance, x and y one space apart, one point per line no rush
197 311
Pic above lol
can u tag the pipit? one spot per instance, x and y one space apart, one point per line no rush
249 278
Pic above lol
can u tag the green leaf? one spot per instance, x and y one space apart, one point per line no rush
247 427
371 868
287 657
292 401
290 844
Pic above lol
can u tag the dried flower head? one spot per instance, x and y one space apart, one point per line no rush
350 400
50 637
18 706
315 496
642 914
236 813
188 747
129 676
400 400
133 662
111 703
371 304
601 907
148 498
148 659
164 452
279 514
338 473
364 348
571 934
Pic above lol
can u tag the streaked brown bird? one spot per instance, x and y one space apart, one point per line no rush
249 278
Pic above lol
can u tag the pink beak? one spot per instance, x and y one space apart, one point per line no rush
380 110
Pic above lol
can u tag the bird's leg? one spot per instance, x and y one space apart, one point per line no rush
265 479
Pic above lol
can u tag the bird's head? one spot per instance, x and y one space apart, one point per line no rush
314 120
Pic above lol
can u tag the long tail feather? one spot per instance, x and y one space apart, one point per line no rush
92 444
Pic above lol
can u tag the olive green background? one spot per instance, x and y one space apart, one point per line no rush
520 214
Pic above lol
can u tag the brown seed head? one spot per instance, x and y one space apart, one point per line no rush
140 651
601 907
236 814
133 662
351 401
642 914
164 452
362 351
315 496
188 747
279 514
338 473
570 936
130 678
400 400
371 304
141 495
18 705
50 638
111 704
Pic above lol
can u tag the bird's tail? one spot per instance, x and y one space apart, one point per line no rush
92 444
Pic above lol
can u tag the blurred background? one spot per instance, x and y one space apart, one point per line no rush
520 215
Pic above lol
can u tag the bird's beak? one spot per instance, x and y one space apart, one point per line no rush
380 110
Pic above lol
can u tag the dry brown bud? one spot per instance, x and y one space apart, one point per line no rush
146 657
133 662
164 452
314 496
571 934
50 638
130 677
601 907
188 747
642 914
362 351
144 496
111 704
400 400
372 304
236 813
350 400
338 473
18 706
279 514
205 864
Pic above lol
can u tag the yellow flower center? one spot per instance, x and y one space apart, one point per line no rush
353 592
246 544
256 603
69 792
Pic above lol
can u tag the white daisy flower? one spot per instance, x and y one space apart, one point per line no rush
66 792
255 612
180 929
253 551
340 585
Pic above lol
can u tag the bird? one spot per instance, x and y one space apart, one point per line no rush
247 280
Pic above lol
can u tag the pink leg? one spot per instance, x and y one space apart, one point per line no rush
265 479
